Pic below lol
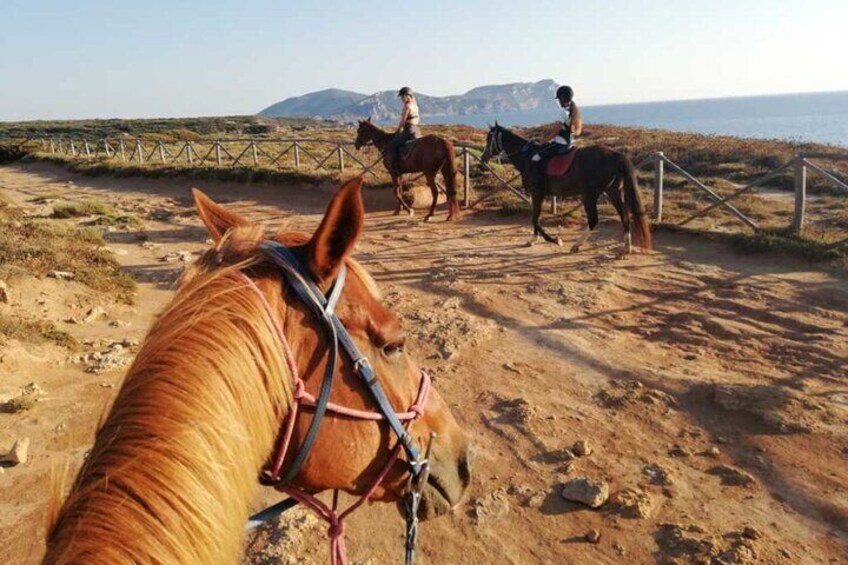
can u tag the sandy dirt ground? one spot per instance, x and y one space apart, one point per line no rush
711 387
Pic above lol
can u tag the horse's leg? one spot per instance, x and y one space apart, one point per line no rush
614 194
434 189
538 225
590 205
536 200
398 197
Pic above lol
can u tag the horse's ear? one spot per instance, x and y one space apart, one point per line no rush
496 123
369 119
215 217
335 237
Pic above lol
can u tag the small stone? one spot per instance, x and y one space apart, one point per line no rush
106 385
93 314
751 533
713 452
618 548
679 451
634 503
586 491
61 275
492 506
593 536
582 448
19 453
535 501
658 474
731 476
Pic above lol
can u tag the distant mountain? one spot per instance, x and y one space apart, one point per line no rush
347 106
321 103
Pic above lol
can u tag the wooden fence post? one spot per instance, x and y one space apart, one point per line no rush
107 148
189 149
659 172
140 151
255 152
553 205
800 194
73 149
87 148
466 167
296 156
123 150
52 147
341 158
161 152
218 152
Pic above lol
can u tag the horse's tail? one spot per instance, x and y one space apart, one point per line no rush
449 172
633 203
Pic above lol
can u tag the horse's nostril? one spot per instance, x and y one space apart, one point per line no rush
464 471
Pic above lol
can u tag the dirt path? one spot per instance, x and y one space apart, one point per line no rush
711 386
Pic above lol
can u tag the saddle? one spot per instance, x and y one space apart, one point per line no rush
559 165
406 148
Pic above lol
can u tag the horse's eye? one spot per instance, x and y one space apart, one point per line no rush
394 348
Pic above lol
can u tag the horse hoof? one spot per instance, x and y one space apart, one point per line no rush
411 213
559 242
531 243
427 219
574 249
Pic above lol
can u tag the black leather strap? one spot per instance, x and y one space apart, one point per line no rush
301 281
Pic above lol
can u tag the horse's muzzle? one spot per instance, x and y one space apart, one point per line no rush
446 484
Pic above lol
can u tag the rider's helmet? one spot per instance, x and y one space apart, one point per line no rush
565 92
405 91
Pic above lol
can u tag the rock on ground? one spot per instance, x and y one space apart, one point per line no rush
731 476
586 491
19 453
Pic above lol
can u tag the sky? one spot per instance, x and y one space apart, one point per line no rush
175 58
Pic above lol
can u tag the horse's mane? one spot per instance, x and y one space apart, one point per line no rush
174 465
155 485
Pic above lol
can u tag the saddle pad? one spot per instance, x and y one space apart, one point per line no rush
559 164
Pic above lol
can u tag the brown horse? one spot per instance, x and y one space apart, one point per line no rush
175 463
595 170
429 155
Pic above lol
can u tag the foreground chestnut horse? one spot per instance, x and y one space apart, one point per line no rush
429 155
175 463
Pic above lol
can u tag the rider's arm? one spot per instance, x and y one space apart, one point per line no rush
403 116
576 121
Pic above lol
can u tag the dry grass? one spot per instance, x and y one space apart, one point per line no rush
67 209
41 246
34 331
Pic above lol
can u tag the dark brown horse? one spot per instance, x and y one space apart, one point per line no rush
429 155
595 170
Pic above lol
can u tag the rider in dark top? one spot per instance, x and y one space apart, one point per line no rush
407 129
571 127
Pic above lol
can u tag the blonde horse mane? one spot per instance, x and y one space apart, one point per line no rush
174 466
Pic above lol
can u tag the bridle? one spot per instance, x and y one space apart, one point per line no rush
495 147
324 308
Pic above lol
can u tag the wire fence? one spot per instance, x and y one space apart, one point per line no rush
340 156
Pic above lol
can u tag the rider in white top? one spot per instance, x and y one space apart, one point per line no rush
570 128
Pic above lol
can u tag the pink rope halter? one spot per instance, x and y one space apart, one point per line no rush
302 399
